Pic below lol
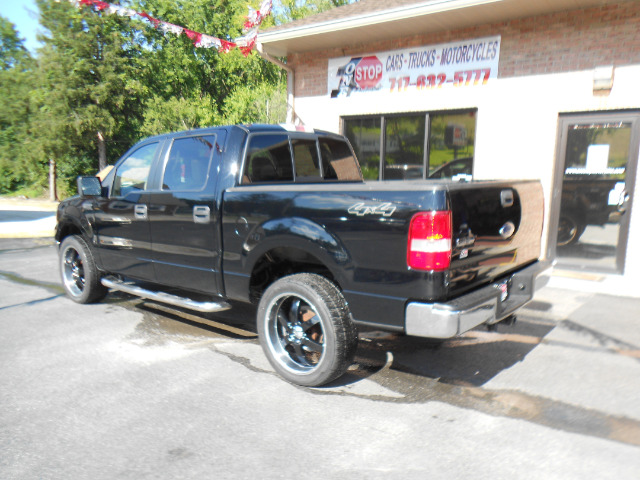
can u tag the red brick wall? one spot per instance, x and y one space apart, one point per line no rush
559 42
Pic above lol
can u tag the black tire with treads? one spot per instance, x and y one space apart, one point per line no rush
79 274
305 329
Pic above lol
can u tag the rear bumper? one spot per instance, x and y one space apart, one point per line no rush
446 320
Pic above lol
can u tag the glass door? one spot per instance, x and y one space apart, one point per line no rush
597 160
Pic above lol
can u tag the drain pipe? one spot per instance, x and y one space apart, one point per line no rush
291 78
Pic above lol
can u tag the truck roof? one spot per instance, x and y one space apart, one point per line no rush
248 128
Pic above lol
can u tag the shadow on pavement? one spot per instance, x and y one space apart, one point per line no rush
469 360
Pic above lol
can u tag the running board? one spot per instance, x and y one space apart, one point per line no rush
164 297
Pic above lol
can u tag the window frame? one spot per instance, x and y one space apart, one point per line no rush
291 136
306 178
427 144
127 156
165 162
245 159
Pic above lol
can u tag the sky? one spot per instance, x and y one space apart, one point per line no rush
23 14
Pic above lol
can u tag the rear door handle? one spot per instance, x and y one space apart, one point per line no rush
140 212
201 214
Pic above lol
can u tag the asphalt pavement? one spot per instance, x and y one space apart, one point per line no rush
131 389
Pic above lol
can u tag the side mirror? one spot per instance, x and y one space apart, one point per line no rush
89 187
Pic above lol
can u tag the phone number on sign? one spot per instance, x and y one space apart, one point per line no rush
468 77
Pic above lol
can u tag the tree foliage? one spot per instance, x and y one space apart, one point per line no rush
101 82
89 87
15 84
297 9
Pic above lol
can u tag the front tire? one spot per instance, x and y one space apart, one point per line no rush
305 330
78 271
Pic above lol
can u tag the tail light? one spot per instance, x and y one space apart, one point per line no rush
429 243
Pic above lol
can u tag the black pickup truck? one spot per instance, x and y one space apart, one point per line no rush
281 218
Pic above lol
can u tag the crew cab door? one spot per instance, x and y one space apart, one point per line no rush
183 216
121 220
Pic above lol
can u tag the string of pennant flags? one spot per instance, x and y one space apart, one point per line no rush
245 43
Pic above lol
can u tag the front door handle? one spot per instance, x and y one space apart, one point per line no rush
140 212
201 214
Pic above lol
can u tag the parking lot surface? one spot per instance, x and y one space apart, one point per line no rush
132 389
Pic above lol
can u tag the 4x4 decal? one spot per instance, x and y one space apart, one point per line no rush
362 209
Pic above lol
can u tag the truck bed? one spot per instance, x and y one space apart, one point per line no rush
359 231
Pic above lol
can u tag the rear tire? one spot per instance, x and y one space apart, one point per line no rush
78 271
305 330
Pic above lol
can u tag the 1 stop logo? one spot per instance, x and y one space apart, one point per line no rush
368 72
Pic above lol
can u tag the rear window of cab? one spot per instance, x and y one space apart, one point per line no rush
280 158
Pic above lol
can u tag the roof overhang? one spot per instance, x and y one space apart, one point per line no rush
405 21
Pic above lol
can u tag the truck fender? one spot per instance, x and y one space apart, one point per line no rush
300 233
76 222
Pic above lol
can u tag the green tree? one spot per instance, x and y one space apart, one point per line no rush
262 103
16 67
13 53
89 95
296 9
195 83
101 82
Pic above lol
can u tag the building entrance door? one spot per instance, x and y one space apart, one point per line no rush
597 159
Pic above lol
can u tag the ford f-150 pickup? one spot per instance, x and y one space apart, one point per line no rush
281 218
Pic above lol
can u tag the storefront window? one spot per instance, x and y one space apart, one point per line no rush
451 143
406 155
364 135
404 147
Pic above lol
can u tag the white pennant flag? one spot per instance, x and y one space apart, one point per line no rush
121 11
170 28
248 39
207 41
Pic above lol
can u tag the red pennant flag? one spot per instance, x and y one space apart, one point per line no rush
155 21
226 46
194 36
245 44
100 5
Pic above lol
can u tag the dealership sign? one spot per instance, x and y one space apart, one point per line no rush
459 64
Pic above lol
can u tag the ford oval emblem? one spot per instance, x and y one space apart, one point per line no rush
507 230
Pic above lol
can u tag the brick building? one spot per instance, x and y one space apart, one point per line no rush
488 89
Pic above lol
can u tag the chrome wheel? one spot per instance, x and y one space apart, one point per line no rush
305 329
73 271
78 272
295 333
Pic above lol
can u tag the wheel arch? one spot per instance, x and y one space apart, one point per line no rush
295 245
66 227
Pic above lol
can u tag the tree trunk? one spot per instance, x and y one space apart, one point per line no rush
102 152
53 194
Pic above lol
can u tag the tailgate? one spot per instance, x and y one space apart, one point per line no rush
497 229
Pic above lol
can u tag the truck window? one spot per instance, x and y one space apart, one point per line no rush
132 174
306 161
268 159
188 163
338 163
